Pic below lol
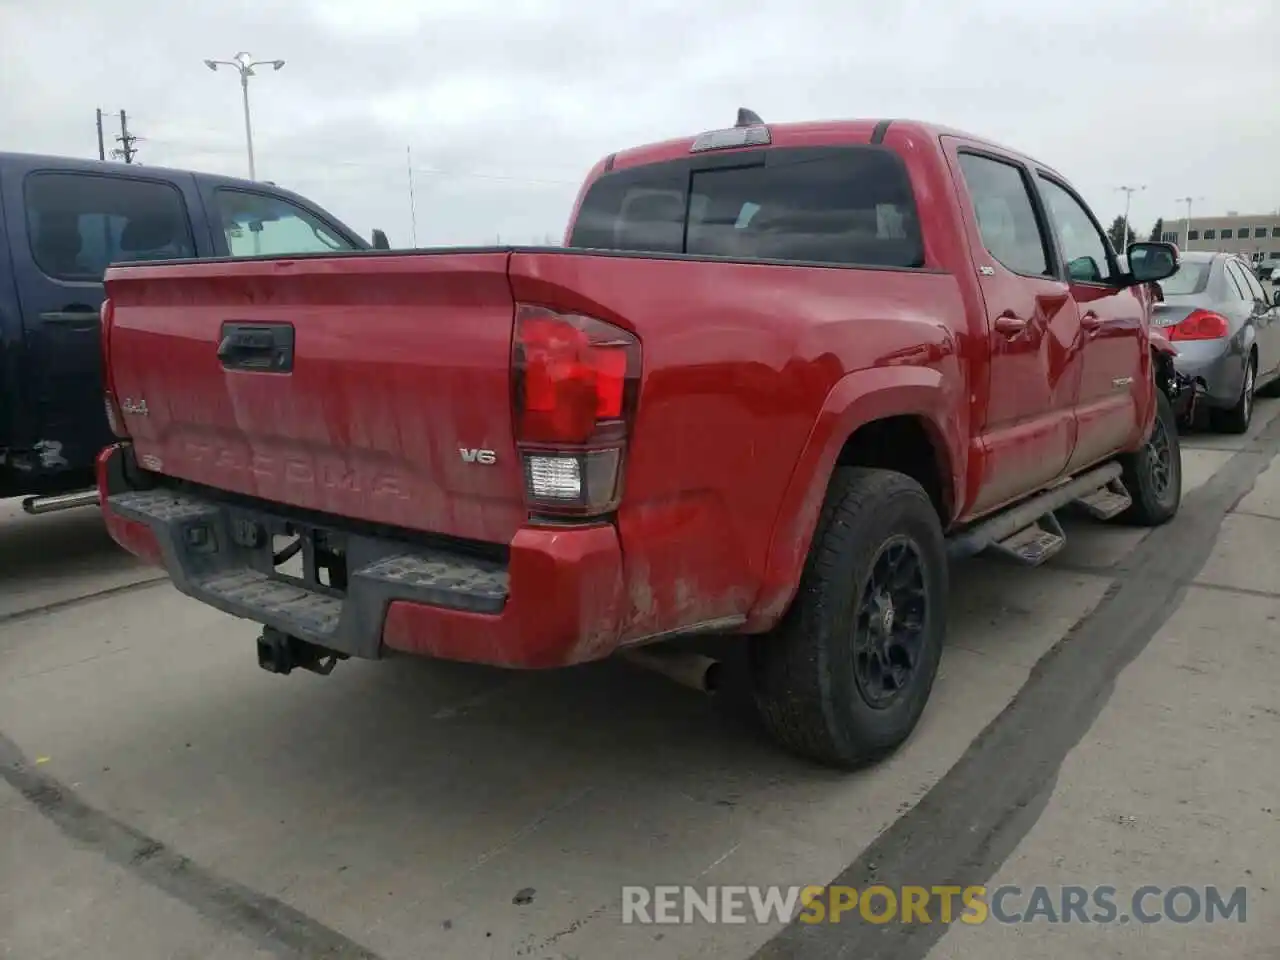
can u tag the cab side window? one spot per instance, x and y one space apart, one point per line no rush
1082 243
79 223
256 224
1006 214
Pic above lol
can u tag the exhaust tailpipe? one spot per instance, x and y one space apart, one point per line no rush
688 669
61 501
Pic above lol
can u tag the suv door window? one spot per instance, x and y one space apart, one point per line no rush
1083 246
79 223
258 224
1006 214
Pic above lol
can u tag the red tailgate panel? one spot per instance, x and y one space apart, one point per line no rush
401 364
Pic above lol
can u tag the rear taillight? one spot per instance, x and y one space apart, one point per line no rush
575 381
1200 325
115 419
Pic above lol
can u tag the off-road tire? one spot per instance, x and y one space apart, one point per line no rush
1237 419
803 672
1154 502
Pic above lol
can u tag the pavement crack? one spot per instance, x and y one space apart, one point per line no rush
57 605
1238 591
274 926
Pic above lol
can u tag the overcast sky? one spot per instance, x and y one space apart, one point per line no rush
506 104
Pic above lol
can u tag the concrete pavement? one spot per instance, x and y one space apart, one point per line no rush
163 797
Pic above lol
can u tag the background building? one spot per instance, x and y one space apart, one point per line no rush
1253 237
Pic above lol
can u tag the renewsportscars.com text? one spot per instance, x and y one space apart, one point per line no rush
1181 904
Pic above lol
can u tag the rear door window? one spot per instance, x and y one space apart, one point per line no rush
257 224
79 223
1006 215
850 206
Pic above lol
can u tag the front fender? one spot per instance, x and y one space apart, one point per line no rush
857 399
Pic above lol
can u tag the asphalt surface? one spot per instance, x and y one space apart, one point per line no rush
1108 719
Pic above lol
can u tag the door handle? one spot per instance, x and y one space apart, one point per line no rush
1010 326
81 318
1091 321
261 347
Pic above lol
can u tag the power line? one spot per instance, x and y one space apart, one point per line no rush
179 134
310 159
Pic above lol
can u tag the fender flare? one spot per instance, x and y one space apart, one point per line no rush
857 399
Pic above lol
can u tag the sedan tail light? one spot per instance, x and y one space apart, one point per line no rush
1200 325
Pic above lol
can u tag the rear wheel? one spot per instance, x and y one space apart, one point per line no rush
1237 418
844 678
1153 474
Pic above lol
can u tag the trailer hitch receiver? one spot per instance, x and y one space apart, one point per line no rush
278 652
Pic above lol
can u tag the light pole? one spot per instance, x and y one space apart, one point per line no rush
243 63
1128 197
1186 221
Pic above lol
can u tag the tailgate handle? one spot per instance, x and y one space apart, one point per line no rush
260 347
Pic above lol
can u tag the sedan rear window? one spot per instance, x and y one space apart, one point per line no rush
848 205
1192 277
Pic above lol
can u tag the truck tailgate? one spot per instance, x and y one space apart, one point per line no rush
394 406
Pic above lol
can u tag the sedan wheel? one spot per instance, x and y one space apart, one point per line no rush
1236 420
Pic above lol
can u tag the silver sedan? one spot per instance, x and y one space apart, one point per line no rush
1227 331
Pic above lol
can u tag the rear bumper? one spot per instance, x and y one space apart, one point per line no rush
1184 394
1219 366
555 600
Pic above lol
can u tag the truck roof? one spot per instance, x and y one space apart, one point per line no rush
82 165
814 133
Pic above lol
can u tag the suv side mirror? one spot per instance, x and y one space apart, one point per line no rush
380 241
1152 261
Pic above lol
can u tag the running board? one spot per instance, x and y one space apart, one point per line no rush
1015 520
1111 501
1034 544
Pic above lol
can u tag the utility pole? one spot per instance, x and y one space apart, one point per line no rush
102 149
1128 198
1186 221
413 207
127 150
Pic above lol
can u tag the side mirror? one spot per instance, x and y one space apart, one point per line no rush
380 241
1152 261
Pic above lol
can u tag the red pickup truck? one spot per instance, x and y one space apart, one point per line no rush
776 378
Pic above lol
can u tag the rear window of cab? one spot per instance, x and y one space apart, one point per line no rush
849 206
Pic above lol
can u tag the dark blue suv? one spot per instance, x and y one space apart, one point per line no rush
62 221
